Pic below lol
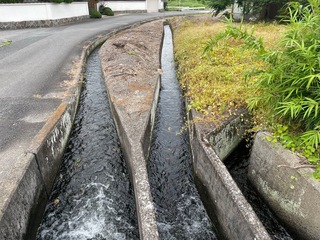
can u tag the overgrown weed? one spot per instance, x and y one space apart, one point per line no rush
245 62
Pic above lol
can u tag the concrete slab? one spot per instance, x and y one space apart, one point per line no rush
290 191
235 217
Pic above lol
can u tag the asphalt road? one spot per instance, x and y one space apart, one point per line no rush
33 73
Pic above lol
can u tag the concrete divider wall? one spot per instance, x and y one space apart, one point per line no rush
136 160
236 218
133 103
291 192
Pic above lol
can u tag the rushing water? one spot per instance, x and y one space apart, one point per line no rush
179 210
237 164
92 196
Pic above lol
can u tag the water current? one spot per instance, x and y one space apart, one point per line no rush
179 211
92 197
237 164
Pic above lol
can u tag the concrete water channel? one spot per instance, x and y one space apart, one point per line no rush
292 192
93 197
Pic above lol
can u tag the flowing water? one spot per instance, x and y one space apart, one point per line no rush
237 164
92 197
179 211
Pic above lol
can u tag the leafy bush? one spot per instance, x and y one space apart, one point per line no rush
289 90
290 87
101 7
106 10
94 13
68 1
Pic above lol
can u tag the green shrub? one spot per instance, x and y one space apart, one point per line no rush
68 1
290 88
94 13
108 11
101 7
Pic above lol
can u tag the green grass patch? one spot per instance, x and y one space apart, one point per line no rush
216 82
5 43
186 3
270 68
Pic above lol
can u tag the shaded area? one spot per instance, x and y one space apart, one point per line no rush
179 210
92 197
237 164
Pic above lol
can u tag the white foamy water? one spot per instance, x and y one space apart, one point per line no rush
87 218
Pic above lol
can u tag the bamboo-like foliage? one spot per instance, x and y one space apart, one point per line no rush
290 88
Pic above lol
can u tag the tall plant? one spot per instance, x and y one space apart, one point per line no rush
289 90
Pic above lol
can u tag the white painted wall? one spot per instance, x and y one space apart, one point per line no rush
41 11
125 5
152 6
160 5
148 5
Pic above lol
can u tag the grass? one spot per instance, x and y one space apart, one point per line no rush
5 43
223 80
217 84
186 3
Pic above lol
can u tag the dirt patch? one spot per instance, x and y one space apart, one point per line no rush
131 66
133 54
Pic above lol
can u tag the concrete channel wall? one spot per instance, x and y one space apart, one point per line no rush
289 190
226 138
235 216
22 213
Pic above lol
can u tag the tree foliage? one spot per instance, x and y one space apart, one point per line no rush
251 6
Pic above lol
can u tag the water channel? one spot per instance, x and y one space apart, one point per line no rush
92 197
237 164
179 210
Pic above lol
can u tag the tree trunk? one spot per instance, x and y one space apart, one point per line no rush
271 11
92 4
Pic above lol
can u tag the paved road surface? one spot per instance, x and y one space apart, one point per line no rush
32 72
